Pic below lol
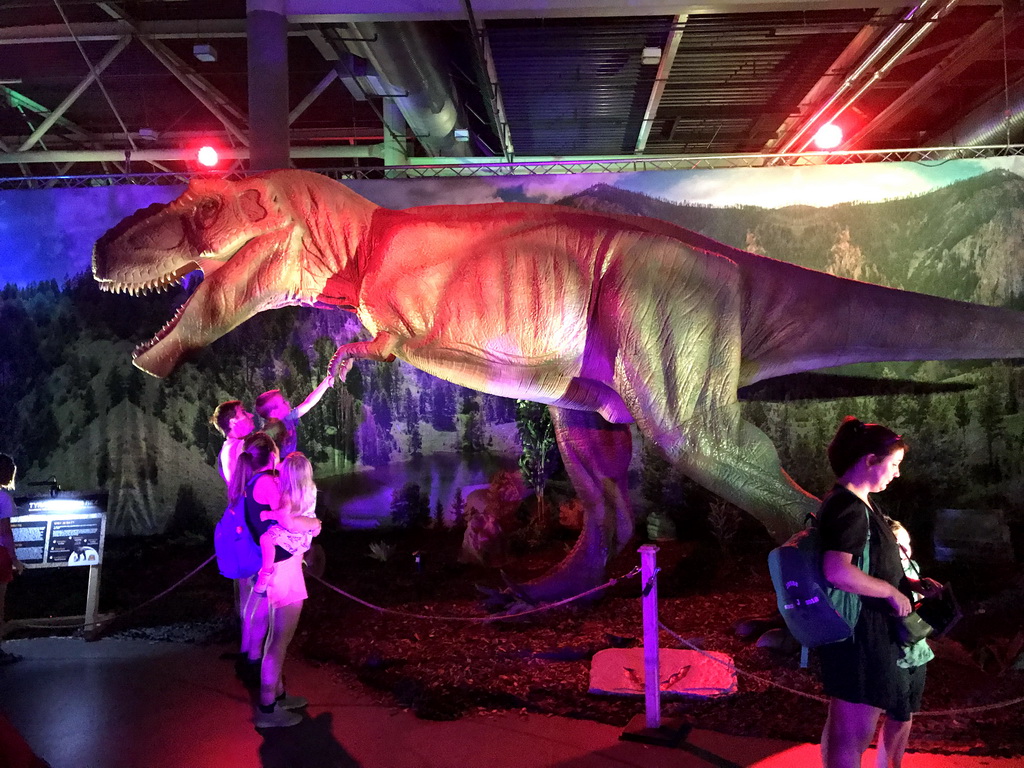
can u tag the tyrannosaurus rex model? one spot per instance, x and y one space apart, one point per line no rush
609 319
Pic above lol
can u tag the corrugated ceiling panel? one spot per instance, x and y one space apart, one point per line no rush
575 86
737 77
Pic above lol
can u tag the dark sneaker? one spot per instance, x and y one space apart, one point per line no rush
279 718
285 701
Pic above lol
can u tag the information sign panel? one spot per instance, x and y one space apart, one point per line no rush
60 538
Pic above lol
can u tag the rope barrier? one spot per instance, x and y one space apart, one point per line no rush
824 700
743 672
88 625
969 710
477 619
539 609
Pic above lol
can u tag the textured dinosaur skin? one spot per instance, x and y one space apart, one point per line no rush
608 319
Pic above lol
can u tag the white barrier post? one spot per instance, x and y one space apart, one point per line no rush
649 727
652 666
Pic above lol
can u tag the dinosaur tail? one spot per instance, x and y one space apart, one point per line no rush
797 319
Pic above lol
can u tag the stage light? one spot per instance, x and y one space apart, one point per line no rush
207 156
829 136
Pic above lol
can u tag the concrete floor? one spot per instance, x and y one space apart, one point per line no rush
138 704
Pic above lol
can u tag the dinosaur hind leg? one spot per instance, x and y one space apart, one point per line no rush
677 370
596 454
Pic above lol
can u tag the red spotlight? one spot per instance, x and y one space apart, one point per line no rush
829 136
207 156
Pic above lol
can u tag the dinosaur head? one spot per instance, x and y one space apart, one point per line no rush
251 240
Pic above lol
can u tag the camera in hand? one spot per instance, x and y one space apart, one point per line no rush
932 617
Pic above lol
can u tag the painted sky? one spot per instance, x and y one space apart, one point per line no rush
48 234
819 186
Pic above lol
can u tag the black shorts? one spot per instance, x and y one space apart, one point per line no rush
911 683
863 669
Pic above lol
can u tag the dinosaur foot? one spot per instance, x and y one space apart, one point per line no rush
753 627
516 598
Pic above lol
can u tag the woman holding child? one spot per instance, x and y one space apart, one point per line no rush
862 674
271 495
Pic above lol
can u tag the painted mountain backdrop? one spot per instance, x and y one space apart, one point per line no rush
72 407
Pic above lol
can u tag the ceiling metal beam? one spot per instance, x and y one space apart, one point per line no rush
72 97
202 89
831 81
492 97
970 50
905 48
20 101
115 140
668 57
184 155
828 111
326 11
208 96
310 97
36 34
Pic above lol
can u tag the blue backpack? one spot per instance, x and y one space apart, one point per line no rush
814 611
238 554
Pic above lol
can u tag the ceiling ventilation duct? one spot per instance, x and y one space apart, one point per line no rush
412 62
989 123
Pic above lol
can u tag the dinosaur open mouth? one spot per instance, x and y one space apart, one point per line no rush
188 276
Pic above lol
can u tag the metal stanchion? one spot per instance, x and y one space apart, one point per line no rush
650 727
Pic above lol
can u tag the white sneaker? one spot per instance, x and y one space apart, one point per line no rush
262 581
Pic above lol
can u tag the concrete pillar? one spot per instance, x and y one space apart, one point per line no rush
396 146
267 33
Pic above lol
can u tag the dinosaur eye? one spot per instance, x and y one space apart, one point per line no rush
206 211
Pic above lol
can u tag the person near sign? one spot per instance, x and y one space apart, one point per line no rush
10 565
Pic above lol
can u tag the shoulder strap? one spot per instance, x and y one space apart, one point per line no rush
252 480
865 558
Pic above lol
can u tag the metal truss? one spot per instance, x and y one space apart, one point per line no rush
473 167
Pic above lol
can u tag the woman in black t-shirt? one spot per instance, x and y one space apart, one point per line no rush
860 674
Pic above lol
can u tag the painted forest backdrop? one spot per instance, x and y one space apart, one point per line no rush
396 446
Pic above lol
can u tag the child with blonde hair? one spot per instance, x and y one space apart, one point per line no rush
896 732
298 499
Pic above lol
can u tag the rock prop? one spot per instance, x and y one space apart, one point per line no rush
484 542
620 672
570 514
